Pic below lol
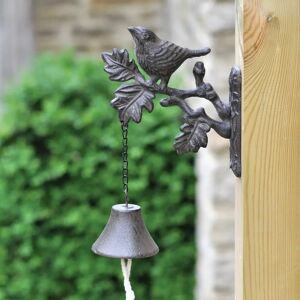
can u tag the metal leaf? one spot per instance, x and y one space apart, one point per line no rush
193 136
119 66
130 100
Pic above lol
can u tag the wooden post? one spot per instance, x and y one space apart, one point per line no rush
268 207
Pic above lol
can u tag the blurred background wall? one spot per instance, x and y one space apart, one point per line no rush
197 23
30 27
16 39
91 26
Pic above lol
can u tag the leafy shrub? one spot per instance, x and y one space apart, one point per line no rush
60 173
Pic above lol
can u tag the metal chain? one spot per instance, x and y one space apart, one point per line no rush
125 162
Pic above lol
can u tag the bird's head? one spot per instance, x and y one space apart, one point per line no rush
142 35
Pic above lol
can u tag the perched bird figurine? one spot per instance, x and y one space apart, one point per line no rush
159 58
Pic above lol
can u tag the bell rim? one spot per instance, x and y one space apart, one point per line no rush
99 253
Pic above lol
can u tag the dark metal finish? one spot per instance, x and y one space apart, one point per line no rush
160 59
125 162
235 96
125 235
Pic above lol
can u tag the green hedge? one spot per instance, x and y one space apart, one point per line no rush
60 145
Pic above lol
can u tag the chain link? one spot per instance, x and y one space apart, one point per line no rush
124 128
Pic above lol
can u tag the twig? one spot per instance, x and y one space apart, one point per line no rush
222 128
202 90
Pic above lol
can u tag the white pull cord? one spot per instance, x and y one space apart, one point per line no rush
126 268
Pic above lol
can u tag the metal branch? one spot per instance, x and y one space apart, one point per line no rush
222 128
202 90
160 59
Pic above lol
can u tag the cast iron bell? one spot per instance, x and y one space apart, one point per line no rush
125 235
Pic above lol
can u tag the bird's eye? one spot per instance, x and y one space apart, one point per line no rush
146 36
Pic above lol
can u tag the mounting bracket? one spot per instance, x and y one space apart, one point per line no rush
160 59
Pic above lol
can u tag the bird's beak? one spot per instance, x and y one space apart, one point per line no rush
131 29
134 31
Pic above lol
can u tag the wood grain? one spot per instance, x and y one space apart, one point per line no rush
270 188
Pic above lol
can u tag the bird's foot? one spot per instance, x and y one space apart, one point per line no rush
163 86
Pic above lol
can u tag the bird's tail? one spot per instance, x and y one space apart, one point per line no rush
199 52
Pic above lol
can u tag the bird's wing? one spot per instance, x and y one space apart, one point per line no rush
168 55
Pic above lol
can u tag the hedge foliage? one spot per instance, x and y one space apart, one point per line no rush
60 145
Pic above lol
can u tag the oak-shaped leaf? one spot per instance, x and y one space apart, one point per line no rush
130 100
119 66
193 136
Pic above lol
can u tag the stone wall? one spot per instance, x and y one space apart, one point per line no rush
198 24
91 26
16 39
